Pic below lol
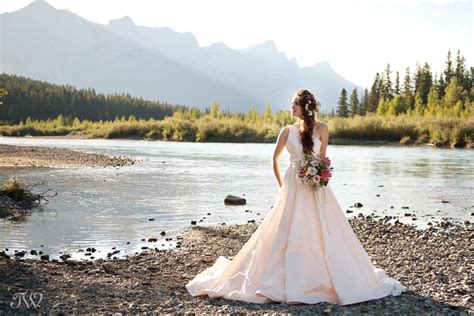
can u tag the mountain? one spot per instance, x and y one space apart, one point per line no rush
42 42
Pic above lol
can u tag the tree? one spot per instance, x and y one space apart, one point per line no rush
267 113
448 71
397 84
423 82
434 103
354 102
387 84
252 114
215 109
374 95
407 87
342 109
454 93
460 73
364 103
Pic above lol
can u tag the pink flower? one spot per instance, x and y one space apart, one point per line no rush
302 171
325 174
326 160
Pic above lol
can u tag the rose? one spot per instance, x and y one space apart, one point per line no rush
312 171
325 174
326 160
314 162
302 171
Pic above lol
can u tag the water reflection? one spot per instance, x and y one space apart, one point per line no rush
181 182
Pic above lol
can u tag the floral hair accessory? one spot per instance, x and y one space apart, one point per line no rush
310 112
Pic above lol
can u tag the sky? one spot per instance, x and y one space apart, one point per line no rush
357 37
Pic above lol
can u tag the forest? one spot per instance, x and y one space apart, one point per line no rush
423 109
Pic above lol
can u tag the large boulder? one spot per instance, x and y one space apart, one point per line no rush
234 200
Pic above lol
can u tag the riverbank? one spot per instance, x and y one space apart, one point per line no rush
332 141
435 265
403 129
50 157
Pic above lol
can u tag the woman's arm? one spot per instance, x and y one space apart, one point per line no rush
280 145
324 132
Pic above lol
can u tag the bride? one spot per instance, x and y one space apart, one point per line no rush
304 250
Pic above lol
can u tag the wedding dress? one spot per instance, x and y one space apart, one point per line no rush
304 251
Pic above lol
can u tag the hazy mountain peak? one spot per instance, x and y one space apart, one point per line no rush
219 45
39 5
125 21
267 47
324 65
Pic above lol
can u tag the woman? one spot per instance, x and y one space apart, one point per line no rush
304 250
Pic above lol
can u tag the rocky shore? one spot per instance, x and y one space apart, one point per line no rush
50 157
435 264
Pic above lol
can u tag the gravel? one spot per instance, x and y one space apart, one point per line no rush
435 264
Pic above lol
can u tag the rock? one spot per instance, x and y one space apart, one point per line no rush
65 257
109 267
234 200
349 211
193 222
44 257
33 252
163 233
358 204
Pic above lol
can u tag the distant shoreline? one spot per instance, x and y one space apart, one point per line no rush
337 141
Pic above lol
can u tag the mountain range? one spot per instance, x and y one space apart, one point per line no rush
157 63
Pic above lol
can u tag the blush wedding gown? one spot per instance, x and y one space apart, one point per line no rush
304 251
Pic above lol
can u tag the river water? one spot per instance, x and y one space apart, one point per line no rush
177 182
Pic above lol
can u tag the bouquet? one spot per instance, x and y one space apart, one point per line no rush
315 171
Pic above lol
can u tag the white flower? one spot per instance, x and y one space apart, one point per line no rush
312 171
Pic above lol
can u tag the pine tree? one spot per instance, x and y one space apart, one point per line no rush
364 103
407 87
397 84
423 82
388 91
354 102
448 71
342 109
441 86
460 71
374 95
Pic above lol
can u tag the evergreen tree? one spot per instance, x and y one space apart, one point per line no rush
460 73
441 86
448 71
354 102
388 89
407 86
342 109
364 103
374 95
423 82
397 84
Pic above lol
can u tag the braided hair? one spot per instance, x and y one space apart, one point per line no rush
309 107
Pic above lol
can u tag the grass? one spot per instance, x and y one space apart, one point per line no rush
406 129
